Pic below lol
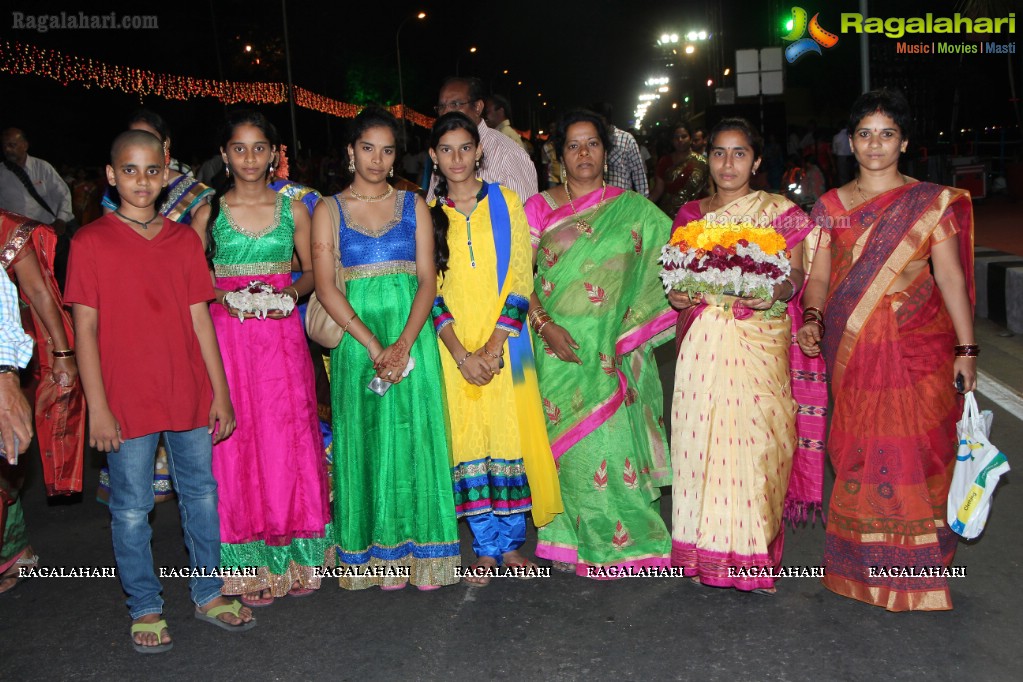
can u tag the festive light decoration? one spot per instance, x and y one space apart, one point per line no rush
21 59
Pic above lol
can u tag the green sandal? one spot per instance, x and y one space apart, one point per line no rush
234 608
156 628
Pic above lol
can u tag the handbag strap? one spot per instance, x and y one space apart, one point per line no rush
22 175
335 218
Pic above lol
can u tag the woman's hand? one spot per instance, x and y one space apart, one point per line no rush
493 364
809 339
476 370
968 368
680 300
561 343
391 362
64 372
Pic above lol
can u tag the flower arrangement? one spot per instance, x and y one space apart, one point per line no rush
738 259
260 300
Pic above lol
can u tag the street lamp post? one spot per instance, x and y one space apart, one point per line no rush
401 86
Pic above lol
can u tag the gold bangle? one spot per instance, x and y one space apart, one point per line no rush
349 323
67 353
539 331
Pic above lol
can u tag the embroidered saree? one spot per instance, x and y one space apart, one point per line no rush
597 277
892 441
177 201
683 181
59 411
739 423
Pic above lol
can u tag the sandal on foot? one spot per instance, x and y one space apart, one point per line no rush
300 592
765 591
394 588
234 608
479 576
13 575
156 628
259 602
523 570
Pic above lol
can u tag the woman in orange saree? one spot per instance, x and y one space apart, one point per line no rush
26 256
896 338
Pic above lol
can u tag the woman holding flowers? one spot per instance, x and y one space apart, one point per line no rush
889 305
598 311
734 264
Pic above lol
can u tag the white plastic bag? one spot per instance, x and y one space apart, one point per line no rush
979 465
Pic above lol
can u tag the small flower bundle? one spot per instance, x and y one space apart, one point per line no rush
738 259
259 300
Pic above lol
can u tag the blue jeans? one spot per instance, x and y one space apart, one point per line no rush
189 458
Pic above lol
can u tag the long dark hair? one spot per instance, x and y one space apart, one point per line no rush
224 183
453 120
153 120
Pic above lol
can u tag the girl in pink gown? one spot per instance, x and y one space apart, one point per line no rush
271 474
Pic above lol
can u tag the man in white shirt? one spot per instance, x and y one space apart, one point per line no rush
504 161
49 200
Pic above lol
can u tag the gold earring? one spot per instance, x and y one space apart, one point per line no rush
564 178
351 165
390 172
270 170
227 171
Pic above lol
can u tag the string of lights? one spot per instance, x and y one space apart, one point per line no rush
21 59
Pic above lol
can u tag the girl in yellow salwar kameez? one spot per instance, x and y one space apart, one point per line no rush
501 459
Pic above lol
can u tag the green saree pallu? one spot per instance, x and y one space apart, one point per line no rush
597 276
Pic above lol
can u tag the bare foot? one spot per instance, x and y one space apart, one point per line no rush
244 614
151 638
563 567
480 572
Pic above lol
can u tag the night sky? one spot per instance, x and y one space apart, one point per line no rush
574 52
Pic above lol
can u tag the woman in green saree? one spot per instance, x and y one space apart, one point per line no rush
598 311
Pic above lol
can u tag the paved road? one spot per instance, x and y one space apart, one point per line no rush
562 627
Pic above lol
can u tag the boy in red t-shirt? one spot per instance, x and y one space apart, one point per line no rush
149 363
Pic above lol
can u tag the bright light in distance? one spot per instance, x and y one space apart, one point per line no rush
727 71
674 105
710 82
665 38
691 35
663 88
657 80
674 37
690 49
647 97
702 35
472 49
421 15
506 72
248 48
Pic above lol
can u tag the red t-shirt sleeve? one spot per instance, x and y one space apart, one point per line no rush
81 284
200 284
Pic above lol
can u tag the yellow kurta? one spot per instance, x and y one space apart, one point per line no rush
497 437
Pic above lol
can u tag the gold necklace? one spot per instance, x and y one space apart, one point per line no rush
371 199
580 224
143 225
877 194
